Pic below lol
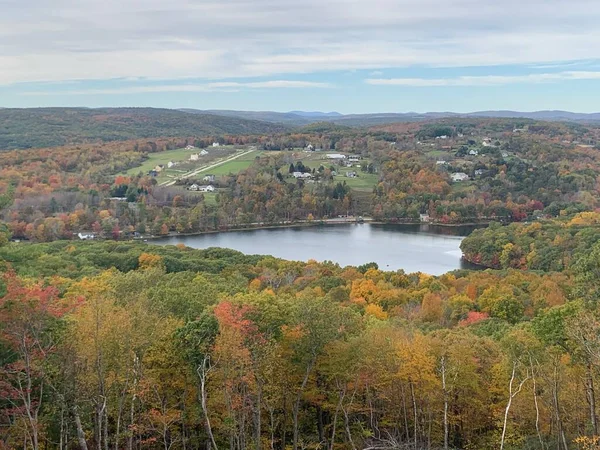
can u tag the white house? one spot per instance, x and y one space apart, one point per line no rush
203 153
193 187
86 236
310 148
171 164
189 147
459 176
216 144
209 178
301 175
487 142
335 156
441 163
474 152
208 188
504 154
424 217
479 172
194 157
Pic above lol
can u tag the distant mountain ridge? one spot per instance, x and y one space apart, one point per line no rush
299 118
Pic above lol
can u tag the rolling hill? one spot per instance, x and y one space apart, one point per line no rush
48 127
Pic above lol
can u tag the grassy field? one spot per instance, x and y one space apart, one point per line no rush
236 165
182 156
364 181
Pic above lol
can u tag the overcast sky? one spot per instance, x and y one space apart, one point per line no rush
344 55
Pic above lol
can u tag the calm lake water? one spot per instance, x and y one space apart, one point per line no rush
414 248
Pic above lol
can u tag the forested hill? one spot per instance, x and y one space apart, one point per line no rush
49 127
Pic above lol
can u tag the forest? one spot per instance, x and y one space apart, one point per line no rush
114 343
123 345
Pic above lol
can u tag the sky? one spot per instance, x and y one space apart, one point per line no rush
350 56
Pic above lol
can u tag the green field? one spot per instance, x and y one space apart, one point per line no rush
364 181
182 156
236 165
161 158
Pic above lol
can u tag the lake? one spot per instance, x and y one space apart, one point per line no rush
414 248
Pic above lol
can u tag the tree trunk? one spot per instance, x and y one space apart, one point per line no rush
203 370
80 433
445 392
414 403
592 400
296 409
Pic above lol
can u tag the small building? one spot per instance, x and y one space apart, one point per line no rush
209 178
504 154
479 172
86 236
474 152
487 142
159 168
459 176
335 156
309 148
354 159
190 147
302 175
424 217
441 162
216 144
208 188
193 187
171 164
194 157
203 152
351 174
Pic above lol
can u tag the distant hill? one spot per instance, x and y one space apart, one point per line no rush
48 127
266 116
301 118
316 114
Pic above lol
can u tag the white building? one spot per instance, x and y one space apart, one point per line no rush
86 236
441 163
474 152
190 147
301 175
203 153
208 188
335 156
216 144
171 164
194 157
459 176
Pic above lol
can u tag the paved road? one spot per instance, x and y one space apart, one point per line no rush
205 168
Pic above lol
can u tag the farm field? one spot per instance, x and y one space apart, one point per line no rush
236 165
182 156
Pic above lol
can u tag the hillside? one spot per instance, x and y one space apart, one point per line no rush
48 127
300 118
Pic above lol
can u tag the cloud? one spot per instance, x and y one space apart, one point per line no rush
487 80
222 86
215 39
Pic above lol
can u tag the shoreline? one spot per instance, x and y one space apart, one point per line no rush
326 222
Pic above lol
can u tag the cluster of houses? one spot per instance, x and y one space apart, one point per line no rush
197 188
